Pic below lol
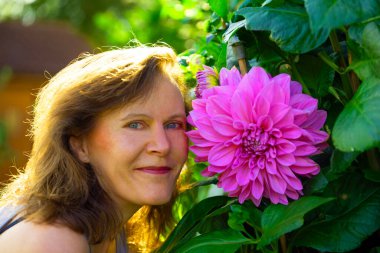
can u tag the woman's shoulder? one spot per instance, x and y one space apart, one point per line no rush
32 237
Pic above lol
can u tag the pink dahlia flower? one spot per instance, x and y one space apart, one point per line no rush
257 133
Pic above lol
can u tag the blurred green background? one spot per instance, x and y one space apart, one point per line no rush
39 37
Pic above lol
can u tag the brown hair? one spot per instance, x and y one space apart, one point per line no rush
55 185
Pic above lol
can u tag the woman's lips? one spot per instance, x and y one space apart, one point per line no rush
155 170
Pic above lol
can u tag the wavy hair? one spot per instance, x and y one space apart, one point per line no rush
57 187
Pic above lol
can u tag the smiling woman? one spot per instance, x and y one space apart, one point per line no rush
109 140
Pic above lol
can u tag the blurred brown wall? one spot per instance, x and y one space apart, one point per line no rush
31 52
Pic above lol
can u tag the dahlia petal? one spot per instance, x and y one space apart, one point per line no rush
257 189
316 120
273 93
286 119
261 106
265 123
295 88
208 132
218 105
318 136
189 120
198 140
304 102
278 111
220 155
288 175
283 81
241 106
305 150
257 79
216 169
223 125
305 170
291 132
229 77
292 194
274 197
199 105
284 146
277 183
271 166
243 175
228 184
200 151
304 161
286 159
207 173
244 194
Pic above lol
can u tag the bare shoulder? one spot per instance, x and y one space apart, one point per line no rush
32 238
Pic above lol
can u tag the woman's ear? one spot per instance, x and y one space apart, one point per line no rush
79 148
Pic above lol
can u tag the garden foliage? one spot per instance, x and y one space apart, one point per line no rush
333 49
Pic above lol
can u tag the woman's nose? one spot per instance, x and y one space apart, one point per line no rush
159 143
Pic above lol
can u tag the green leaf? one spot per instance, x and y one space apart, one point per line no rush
357 128
279 219
366 62
220 7
192 218
338 13
288 24
340 161
245 213
232 28
316 74
222 241
315 184
350 219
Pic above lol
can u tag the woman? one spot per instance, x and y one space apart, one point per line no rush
109 138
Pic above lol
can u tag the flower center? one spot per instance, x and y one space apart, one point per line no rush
254 142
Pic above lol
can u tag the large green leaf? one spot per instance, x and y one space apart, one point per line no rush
222 241
351 218
220 7
340 161
366 61
316 74
185 228
288 24
279 219
338 13
357 128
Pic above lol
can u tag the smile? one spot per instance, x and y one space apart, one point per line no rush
155 170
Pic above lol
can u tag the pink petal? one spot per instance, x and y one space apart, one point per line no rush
286 159
284 146
243 175
207 173
265 123
291 132
257 189
241 105
207 131
278 112
216 169
316 120
228 184
295 88
198 140
244 194
223 125
261 106
271 166
283 81
218 105
229 77
200 151
220 155
277 184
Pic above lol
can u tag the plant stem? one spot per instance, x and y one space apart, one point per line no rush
299 78
353 77
342 64
283 244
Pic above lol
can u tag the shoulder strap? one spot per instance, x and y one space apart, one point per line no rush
11 224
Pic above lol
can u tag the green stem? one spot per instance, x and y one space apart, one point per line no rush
324 57
370 20
342 64
305 89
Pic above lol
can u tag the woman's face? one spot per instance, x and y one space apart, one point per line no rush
138 151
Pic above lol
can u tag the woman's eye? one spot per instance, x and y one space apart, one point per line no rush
135 125
174 125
